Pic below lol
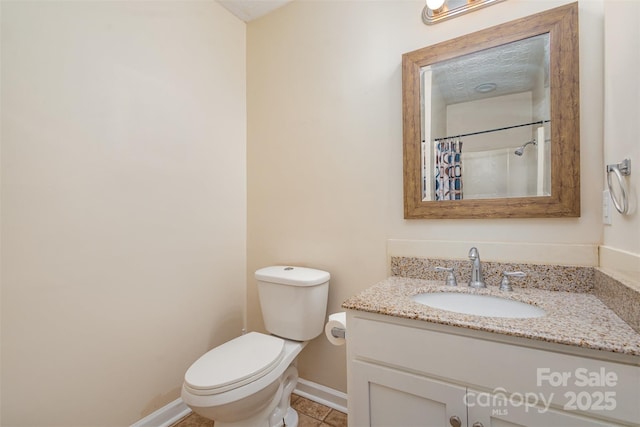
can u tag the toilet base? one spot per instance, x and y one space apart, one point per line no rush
291 419
279 412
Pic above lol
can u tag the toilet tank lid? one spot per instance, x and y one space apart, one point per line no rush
294 276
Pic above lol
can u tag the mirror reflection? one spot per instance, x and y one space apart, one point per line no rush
486 123
491 122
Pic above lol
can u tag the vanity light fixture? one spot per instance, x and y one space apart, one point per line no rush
435 4
440 10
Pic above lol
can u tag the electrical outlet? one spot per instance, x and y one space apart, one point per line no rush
606 207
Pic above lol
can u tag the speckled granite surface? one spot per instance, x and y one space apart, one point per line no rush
620 294
541 276
573 318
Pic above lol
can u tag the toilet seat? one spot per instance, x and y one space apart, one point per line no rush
235 363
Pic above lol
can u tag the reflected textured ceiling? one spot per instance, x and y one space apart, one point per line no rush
248 10
513 68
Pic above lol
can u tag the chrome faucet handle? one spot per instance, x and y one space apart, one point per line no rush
451 278
505 284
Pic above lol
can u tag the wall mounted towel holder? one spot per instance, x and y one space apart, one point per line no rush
620 170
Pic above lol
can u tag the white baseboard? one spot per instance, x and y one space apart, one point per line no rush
165 416
324 395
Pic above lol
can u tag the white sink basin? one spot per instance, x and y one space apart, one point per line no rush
479 305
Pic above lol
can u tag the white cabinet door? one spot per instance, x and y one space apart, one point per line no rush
386 397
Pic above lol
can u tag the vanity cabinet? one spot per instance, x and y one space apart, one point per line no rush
409 373
402 399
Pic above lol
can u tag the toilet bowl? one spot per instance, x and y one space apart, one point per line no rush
247 382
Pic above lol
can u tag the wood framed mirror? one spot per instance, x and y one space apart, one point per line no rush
510 96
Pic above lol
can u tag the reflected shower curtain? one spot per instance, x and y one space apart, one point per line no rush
448 170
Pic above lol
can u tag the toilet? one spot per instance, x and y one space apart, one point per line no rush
247 382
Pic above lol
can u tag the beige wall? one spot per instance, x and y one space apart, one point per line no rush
325 147
123 203
622 128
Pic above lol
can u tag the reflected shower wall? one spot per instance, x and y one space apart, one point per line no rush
490 166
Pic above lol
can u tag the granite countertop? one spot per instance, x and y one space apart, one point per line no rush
578 319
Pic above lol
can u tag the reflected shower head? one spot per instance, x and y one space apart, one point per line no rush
520 150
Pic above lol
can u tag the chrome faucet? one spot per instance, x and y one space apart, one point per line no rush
477 280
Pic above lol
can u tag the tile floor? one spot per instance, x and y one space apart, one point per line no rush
311 414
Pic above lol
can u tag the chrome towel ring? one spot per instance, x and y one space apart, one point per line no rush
619 170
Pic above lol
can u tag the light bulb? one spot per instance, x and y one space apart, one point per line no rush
435 4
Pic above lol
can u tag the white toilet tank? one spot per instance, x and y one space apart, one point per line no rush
293 301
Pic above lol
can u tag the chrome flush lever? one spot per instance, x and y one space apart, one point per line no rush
451 278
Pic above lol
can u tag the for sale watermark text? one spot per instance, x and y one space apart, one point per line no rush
584 390
584 399
580 377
